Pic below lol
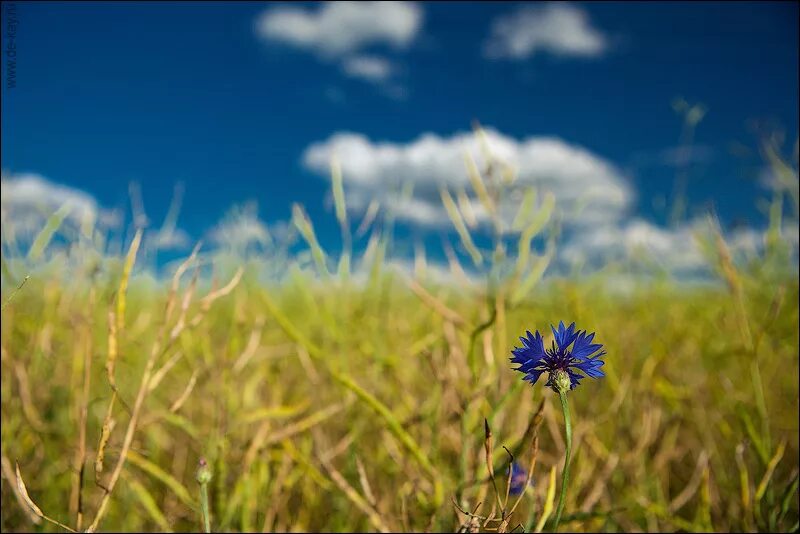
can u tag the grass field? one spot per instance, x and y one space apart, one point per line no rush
341 403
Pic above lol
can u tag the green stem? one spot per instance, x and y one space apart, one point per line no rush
204 507
565 475
761 402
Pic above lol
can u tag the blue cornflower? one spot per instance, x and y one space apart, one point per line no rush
559 361
518 478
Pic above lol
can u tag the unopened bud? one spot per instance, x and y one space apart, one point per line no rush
203 475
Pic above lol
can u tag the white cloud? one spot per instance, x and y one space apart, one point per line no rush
340 31
592 196
28 200
558 28
171 239
340 28
240 228
378 170
370 68
745 240
430 272
676 250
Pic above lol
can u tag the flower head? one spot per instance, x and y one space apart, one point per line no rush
561 361
518 478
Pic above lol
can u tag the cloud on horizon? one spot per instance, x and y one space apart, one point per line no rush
240 229
29 199
583 183
592 196
609 235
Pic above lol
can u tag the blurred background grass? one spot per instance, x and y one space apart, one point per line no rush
356 400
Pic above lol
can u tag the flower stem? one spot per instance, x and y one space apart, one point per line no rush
203 477
204 507
565 476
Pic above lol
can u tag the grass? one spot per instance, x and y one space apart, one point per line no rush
353 404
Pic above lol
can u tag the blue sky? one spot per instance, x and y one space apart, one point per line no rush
248 101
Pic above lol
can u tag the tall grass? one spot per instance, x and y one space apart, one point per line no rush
337 404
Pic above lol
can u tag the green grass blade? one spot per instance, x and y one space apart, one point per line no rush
46 234
394 426
148 503
159 474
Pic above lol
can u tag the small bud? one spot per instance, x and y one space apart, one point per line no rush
203 475
561 381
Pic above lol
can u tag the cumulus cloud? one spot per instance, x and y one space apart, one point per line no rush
28 200
636 239
593 198
560 29
242 228
341 28
369 68
676 250
579 179
241 231
341 32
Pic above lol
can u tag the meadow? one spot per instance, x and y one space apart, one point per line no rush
335 402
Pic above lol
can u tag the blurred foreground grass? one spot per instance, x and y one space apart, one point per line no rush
339 405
